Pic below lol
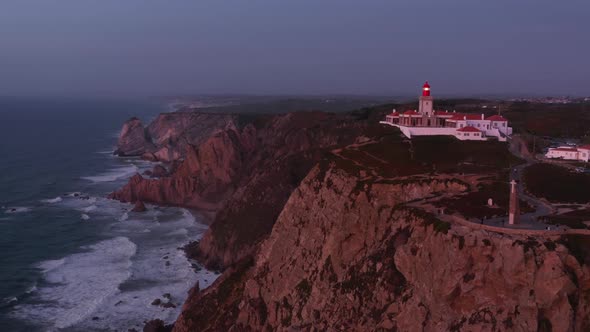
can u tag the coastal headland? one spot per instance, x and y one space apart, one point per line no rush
330 220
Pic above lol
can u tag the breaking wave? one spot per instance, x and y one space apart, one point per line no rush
52 200
78 284
113 174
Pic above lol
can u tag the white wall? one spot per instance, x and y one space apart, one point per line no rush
425 131
584 154
568 155
470 136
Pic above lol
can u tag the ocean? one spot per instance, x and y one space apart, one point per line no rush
72 260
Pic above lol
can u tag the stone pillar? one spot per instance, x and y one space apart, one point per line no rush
513 210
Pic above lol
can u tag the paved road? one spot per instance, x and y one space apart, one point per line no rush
528 220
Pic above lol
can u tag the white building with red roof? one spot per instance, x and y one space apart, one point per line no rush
581 153
465 126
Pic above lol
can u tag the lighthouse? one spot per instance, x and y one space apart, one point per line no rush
513 209
425 103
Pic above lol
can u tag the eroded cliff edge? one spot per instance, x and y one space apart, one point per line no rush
237 169
336 237
349 253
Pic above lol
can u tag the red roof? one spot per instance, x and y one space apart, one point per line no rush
394 114
411 112
496 118
469 129
565 149
444 113
585 147
462 116
426 89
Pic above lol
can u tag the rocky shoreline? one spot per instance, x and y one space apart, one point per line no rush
312 239
245 161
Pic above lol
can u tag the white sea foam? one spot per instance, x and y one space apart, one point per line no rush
84 216
17 209
89 208
80 284
49 265
113 174
180 231
52 200
115 280
31 289
124 217
9 300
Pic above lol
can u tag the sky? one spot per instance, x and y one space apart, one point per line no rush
312 47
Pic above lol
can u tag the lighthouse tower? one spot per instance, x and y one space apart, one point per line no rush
513 209
425 104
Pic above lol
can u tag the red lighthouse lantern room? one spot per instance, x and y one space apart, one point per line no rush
426 89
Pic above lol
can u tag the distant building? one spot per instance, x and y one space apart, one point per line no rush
428 122
581 153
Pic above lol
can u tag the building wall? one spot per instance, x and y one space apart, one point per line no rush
584 154
568 155
470 136
426 131
425 105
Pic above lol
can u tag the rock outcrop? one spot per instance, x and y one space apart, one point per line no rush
238 170
139 207
348 254
134 139
315 221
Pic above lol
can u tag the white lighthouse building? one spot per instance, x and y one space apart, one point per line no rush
464 126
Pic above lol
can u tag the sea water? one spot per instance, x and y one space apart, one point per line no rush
70 259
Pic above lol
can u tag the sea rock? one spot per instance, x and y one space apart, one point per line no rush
156 302
191 249
157 325
139 207
134 140
159 171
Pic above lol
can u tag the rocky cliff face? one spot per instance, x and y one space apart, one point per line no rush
204 178
239 170
348 253
134 139
315 236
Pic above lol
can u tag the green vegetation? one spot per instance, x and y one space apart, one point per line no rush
303 289
578 245
474 204
286 320
550 245
427 219
234 283
554 120
557 184
573 219
395 156
529 244
544 325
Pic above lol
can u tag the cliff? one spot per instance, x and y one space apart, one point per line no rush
328 222
349 252
134 139
237 169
